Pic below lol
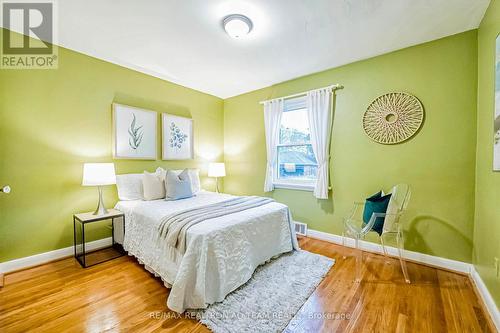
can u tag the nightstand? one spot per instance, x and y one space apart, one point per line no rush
97 253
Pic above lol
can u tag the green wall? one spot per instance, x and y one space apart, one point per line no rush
487 225
52 121
438 163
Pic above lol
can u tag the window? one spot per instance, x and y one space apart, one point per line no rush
297 166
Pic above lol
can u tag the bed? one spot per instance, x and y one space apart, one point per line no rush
221 253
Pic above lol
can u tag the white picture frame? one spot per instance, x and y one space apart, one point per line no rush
496 127
134 133
177 137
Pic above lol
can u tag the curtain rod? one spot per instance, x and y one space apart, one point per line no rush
333 87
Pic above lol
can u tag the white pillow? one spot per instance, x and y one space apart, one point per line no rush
129 186
153 186
178 186
194 176
162 173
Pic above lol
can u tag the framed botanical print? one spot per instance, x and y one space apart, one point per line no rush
134 133
177 137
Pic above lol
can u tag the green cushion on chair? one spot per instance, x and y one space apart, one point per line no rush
376 204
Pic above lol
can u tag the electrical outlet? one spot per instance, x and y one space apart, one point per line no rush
497 268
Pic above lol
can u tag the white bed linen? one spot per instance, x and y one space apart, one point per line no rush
221 253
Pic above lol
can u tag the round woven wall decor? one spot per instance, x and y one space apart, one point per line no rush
393 118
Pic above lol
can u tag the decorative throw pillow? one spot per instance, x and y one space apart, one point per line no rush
194 175
161 173
153 186
129 186
376 204
178 186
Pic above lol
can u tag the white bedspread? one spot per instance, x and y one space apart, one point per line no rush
221 253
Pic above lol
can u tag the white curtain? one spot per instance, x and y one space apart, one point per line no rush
272 120
318 112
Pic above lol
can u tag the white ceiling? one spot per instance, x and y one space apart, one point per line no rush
184 42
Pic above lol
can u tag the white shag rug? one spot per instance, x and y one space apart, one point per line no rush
270 299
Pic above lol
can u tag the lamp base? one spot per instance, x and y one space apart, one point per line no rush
217 185
101 209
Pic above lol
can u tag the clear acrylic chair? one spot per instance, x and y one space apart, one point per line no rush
355 228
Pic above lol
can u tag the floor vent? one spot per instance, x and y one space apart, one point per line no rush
300 228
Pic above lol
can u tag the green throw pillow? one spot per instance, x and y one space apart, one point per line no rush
376 204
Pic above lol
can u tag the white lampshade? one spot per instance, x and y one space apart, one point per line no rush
216 170
98 174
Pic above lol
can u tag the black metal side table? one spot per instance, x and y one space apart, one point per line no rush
106 253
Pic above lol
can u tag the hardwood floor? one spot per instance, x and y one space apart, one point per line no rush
119 295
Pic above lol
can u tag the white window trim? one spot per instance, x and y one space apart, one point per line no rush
295 184
293 144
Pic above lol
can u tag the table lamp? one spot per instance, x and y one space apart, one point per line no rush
216 170
99 174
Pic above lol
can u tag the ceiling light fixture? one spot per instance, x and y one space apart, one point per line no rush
237 25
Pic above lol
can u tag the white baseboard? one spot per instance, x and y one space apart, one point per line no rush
42 258
486 296
426 259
